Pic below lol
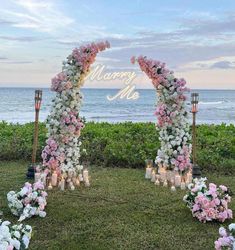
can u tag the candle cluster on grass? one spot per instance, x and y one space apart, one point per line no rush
62 180
161 175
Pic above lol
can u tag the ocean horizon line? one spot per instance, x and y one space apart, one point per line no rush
216 89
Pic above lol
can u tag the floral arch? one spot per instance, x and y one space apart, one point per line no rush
62 150
172 115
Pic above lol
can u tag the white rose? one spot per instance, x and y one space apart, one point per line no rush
231 226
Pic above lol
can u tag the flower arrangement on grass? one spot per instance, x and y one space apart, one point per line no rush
208 203
171 113
226 239
62 152
30 201
14 236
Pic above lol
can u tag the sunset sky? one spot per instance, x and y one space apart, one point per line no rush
195 38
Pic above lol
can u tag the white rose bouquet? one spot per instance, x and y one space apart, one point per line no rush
30 201
14 236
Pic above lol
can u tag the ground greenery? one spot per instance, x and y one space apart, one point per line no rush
121 210
125 144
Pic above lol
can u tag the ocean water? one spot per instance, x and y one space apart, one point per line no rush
17 106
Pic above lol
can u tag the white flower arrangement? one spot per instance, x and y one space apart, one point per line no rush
14 236
29 201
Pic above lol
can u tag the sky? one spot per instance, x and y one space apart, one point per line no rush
195 38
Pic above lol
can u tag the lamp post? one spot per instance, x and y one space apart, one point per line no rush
38 101
194 101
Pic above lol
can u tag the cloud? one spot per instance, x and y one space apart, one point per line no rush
223 65
40 15
21 38
17 62
5 22
3 58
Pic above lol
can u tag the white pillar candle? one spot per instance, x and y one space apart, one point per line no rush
80 177
77 182
37 177
148 173
168 175
189 177
182 185
85 174
165 184
177 180
173 189
163 175
44 179
62 184
157 182
153 176
50 186
87 183
54 179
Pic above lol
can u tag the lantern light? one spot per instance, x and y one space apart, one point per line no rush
194 102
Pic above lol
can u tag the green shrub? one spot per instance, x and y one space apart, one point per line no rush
125 144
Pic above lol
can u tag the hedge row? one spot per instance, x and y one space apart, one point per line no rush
125 144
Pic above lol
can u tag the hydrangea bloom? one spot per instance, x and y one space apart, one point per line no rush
226 239
14 236
62 150
29 201
171 113
208 203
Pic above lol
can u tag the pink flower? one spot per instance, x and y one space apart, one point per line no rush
133 59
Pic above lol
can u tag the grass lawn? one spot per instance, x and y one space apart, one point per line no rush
121 210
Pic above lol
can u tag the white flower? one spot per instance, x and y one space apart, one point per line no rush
42 214
25 240
231 226
16 243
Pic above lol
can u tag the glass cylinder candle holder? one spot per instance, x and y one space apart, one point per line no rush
149 167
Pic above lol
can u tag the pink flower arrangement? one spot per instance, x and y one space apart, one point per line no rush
171 115
72 122
52 157
208 203
226 239
29 201
82 57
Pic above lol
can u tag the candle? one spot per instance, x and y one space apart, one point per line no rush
62 184
157 182
173 189
182 185
165 184
153 178
77 182
50 186
85 174
80 177
177 180
72 187
163 174
189 177
44 179
168 175
148 172
37 176
87 183
70 173
54 179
